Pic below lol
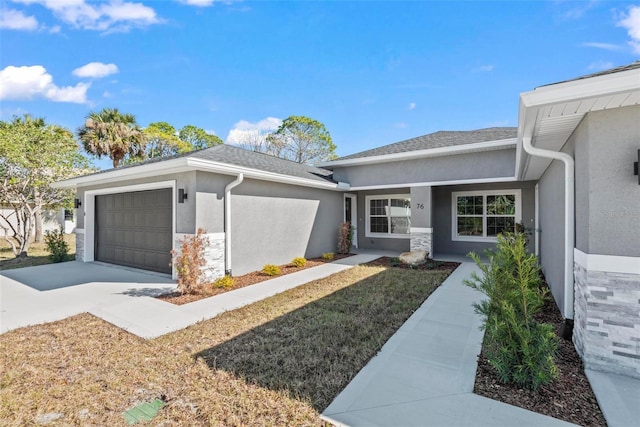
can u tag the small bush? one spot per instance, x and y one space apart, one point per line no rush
520 349
299 262
224 282
328 255
189 262
345 237
271 270
56 245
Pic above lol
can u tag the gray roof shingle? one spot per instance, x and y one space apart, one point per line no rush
438 140
632 66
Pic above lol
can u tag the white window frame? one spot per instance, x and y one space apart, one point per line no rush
484 193
388 235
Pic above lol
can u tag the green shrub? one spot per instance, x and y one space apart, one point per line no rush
328 255
299 262
271 270
58 248
189 262
520 349
224 282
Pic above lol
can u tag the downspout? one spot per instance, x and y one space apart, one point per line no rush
227 221
569 222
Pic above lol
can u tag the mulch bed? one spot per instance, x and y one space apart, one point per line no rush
569 398
429 265
248 279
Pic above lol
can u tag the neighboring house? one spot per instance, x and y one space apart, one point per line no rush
447 193
52 220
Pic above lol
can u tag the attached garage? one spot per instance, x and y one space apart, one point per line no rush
134 229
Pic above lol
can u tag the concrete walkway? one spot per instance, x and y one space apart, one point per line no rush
125 297
424 374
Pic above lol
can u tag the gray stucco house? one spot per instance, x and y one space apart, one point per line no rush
566 172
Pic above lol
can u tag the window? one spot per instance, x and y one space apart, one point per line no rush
388 216
68 215
481 216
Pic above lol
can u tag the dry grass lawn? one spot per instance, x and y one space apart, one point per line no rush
276 362
38 254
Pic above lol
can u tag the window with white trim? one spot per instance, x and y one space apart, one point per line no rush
482 215
388 216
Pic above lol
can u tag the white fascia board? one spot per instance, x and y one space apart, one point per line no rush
133 172
418 154
435 183
227 169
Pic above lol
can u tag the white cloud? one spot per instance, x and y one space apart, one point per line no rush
29 82
605 46
600 65
95 70
245 132
11 19
412 106
631 22
484 68
114 15
198 3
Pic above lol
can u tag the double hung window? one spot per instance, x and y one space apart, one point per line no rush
388 216
481 216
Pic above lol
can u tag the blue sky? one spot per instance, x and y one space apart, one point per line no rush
373 72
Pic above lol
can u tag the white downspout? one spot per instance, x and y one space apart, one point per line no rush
227 221
569 217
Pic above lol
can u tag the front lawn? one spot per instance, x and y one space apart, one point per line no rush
38 254
280 361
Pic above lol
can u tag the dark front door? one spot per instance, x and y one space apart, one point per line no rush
134 229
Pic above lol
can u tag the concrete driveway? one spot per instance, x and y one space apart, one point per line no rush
46 293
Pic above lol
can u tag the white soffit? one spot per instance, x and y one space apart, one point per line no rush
550 114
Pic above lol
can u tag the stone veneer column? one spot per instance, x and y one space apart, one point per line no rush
79 244
214 255
607 313
422 240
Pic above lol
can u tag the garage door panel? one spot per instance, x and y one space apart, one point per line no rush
135 229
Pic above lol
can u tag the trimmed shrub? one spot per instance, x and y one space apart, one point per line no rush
271 270
58 248
345 237
520 349
224 282
189 262
299 262
328 255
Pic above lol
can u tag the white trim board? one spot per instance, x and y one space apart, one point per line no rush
607 263
435 183
421 230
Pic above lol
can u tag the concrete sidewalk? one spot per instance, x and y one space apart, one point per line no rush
424 374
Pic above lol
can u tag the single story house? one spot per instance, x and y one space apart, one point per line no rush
52 220
566 173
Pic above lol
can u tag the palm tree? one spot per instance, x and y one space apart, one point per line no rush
112 133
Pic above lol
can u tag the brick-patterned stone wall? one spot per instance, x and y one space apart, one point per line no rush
422 241
79 245
607 320
214 255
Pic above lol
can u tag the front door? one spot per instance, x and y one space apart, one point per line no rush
351 215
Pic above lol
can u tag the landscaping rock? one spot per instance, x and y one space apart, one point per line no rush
45 419
414 257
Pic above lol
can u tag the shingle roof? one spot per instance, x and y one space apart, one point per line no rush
249 159
619 69
236 156
438 140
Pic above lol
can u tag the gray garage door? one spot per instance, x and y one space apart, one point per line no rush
134 229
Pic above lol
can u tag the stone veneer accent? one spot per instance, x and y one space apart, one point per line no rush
79 245
607 320
214 255
422 240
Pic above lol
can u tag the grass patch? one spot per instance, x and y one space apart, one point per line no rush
38 254
276 362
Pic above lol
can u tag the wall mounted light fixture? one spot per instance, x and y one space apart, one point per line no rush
77 203
182 196
635 167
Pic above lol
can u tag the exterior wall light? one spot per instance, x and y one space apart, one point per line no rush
635 167
77 203
182 196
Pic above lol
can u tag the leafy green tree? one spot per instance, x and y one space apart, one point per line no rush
302 140
33 155
198 137
162 141
112 133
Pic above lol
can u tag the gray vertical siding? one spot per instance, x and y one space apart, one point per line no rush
442 216
274 223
